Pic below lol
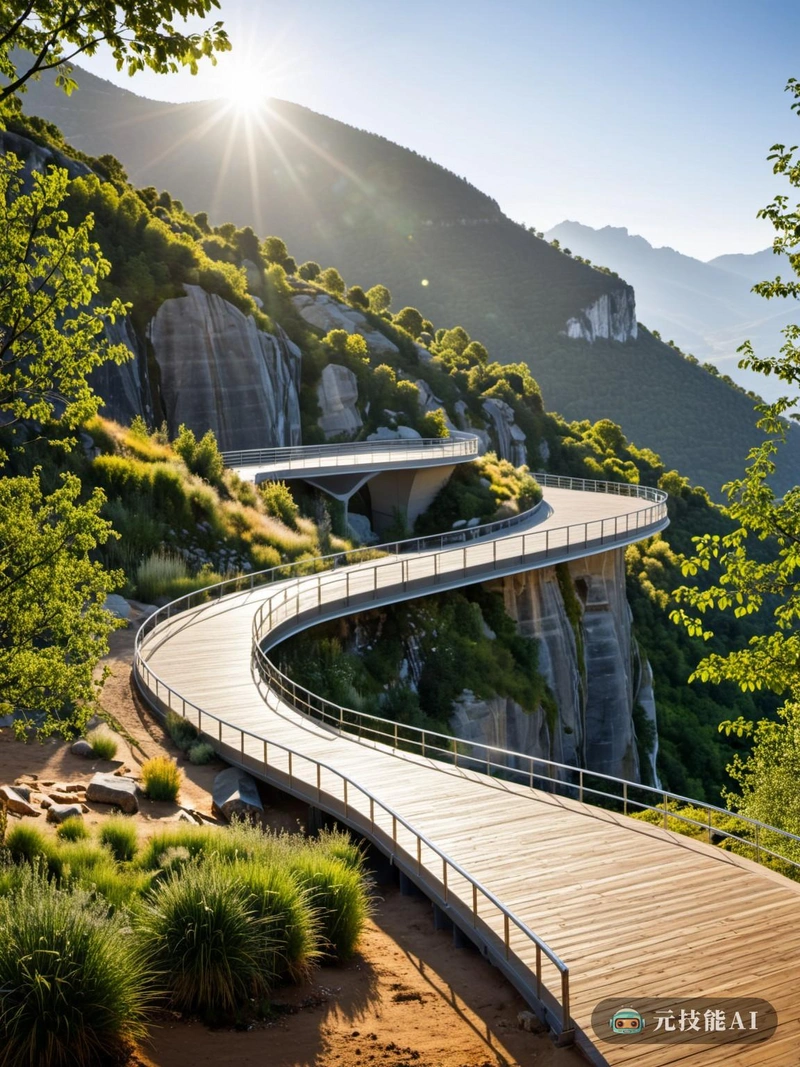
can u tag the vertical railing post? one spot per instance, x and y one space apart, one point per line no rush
666 813
506 934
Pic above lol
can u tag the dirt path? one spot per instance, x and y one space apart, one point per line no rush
409 999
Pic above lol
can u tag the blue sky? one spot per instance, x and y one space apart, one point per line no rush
654 116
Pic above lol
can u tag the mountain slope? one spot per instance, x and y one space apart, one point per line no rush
708 309
381 213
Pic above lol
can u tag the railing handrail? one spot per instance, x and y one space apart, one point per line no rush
241 584
457 443
141 669
294 691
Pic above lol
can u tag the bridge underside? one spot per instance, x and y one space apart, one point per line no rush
403 493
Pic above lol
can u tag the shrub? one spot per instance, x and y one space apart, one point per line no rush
204 935
103 742
74 990
119 835
196 839
158 575
162 778
339 893
72 829
183 732
292 931
27 844
201 753
280 503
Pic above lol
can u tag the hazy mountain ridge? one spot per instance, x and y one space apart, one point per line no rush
708 309
382 213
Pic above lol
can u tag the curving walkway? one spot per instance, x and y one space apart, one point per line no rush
573 903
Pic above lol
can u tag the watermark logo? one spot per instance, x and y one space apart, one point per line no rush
703 1020
626 1022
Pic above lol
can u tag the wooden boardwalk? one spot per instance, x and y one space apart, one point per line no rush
635 911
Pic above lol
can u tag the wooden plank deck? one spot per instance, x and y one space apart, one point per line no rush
635 911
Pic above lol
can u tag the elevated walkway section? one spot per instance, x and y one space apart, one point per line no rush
572 902
404 475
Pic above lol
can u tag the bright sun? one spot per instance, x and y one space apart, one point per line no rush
246 90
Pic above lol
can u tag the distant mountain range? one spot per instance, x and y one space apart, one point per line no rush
708 309
383 213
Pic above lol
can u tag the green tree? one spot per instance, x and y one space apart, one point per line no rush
310 271
139 35
357 298
50 336
332 280
380 299
756 566
410 320
53 627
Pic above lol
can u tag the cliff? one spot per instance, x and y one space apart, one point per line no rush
586 654
612 317
219 371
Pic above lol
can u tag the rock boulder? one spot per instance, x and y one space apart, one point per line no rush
81 748
337 394
15 802
59 812
236 793
112 789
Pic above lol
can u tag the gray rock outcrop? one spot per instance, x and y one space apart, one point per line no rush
236 793
327 314
220 372
81 747
114 789
124 387
509 438
611 317
337 395
589 672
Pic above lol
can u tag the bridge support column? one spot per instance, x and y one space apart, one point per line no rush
407 887
409 492
441 920
462 940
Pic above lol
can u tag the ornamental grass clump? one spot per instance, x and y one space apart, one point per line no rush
162 778
119 836
292 934
204 935
103 742
339 894
72 829
74 988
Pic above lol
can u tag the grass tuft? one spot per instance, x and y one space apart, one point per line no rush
72 829
74 990
162 778
201 753
205 936
119 836
104 744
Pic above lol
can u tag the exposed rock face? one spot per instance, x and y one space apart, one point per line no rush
509 438
125 387
428 401
589 673
337 394
59 813
37 158
220 372
611 317
327 314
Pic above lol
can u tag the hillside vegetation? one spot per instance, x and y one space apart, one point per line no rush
381 213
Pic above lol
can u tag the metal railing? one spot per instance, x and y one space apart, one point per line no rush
535 772
356 453
417 852
307 603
